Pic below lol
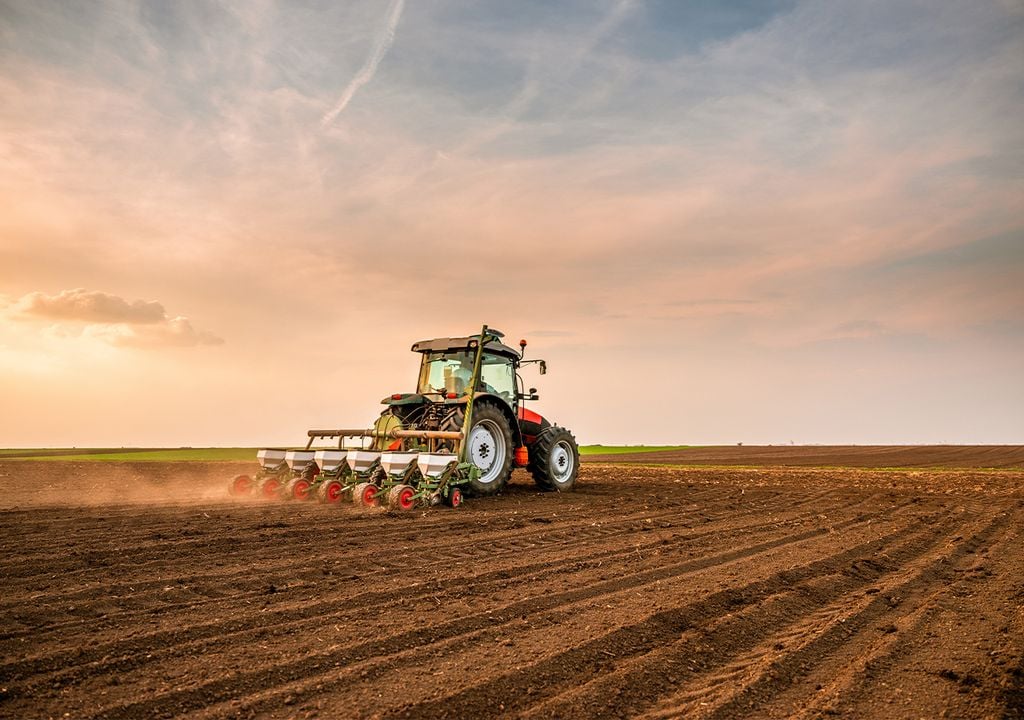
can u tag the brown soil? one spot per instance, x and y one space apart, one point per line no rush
141 590
858 456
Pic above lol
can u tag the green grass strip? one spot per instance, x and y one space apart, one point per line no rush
230 454
625 449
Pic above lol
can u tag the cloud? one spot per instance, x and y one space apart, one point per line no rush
819 170
553 67
90 306
369 68
112 319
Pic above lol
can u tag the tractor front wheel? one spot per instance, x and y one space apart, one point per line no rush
555 460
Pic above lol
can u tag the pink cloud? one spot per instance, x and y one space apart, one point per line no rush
90 306
112 319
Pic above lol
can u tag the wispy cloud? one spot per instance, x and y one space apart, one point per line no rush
369 68
563 63
737 182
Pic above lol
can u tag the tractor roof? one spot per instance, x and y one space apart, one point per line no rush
463 343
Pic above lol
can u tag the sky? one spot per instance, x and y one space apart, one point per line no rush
762 221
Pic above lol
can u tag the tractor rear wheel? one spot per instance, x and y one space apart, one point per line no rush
489 447
555 459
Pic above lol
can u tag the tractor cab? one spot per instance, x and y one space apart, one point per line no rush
446 369
450 373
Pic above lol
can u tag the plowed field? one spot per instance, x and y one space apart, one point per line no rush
863 456
135 590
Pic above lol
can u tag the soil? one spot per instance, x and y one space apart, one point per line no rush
138 590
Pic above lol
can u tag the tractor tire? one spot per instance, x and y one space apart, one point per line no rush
490 448
555 460
452 422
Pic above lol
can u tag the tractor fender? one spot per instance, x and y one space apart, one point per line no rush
404 399
531 425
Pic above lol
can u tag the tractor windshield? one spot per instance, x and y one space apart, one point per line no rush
451 372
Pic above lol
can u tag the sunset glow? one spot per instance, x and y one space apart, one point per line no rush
747 222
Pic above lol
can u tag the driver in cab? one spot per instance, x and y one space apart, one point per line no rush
464 373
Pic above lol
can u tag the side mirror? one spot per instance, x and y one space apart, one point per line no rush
543 368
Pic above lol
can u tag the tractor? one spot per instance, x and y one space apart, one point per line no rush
472 384
465 428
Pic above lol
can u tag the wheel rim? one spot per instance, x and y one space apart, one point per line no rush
561 462
456 497
301 490
333 491
405 500
270 488
487 450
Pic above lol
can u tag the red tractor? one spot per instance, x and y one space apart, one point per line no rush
464 429
472 384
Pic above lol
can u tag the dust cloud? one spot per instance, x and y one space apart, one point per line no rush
61 483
